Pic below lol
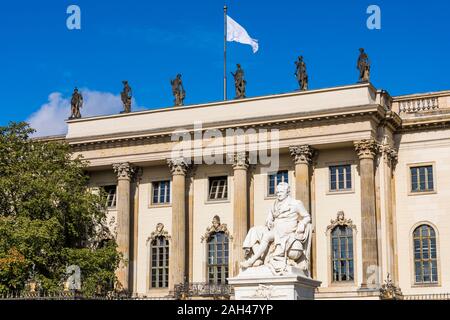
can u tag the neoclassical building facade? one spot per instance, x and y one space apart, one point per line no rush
373 171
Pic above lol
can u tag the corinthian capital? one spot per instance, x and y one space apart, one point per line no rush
390 153
302 154
238 160
124 170
367 148
178 166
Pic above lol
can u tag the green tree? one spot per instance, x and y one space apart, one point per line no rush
49 218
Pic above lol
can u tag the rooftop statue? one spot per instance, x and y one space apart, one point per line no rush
178 90
285 241
76 104
239 82
363 66
126 96
301 74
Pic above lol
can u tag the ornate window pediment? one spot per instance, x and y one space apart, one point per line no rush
216 226
159 232
341 221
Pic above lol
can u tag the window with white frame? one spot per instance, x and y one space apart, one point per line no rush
274 179
422 178
218 188
341 178
111 196
161 192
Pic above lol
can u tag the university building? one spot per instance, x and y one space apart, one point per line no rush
373 171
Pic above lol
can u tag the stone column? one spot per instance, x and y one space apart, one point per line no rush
190 222
240 205
367 150
124 172
134 227
390 157
177 263
251 196
302 156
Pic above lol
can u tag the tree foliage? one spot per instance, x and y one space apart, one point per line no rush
49 218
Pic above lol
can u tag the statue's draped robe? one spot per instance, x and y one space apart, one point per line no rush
286 216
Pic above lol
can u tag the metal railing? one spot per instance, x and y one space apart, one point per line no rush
436 296
203 290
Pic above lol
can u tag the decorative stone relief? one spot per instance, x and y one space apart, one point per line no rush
367 148
159 232
124 170
302 154
266 292
178 166
389 291
216 226
340 221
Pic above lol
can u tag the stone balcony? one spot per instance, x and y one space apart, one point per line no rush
417 105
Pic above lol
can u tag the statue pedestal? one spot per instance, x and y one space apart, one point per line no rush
260 284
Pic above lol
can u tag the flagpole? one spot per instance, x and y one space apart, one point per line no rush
225 53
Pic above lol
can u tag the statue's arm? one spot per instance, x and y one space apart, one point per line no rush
305 217
269 220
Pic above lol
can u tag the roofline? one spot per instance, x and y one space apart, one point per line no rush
227 102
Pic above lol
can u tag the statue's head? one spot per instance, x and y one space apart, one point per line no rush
159 227
238 66
300 58
216 222
125 82
178 76
283 191
361 50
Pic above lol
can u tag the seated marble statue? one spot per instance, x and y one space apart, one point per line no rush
285 241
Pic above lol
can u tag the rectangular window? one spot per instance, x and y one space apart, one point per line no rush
111 196
341 178
218 188
161 192
275 179
422 179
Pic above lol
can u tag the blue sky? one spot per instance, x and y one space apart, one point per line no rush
149 42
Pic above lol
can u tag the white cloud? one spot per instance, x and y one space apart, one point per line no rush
51 118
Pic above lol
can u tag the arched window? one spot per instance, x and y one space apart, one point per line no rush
342 253
218 257
425 254
159 264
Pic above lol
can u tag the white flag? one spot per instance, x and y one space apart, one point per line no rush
236 33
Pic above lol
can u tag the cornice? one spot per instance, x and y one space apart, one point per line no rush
425 123
264 122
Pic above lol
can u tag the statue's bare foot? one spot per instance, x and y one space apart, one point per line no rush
246 264
258 263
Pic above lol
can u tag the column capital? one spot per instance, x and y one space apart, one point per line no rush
302 154
239 160
366 149
390 153
124 171
178 166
